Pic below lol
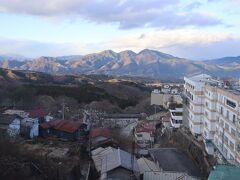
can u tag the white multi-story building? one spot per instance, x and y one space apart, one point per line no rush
176 114
194 91
212 112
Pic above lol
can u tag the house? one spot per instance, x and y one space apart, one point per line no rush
97 155
14 127
29 128
119 164
121 120
19 113
64 129
144 135
146 165
101 137
176 112
166 121
38 114
10 124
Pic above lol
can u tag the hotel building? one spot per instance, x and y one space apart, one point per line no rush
211 111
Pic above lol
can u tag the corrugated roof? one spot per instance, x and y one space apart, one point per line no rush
100 132
146 165
118 158
162 175
222 172
98 154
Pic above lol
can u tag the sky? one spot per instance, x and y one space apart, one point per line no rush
201 29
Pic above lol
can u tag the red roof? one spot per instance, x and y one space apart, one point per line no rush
146 127
37 113
100 132
45 125
62 125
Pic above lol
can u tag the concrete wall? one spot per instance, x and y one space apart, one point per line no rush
194 149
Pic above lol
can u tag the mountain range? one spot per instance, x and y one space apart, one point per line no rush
146 63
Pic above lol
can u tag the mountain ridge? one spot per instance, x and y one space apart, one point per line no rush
146 63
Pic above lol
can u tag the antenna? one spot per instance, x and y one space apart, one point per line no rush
132 154
63 110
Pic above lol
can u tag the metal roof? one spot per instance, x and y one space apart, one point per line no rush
118 158
146 165
97 156
222 172
162 175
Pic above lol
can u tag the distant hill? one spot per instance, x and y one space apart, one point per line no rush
146 63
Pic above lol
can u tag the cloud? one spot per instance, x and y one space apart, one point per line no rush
193 5
192 44
30 48
127 13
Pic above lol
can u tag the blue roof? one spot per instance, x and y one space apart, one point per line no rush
222 172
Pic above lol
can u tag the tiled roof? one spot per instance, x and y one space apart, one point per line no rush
37 113
100 132
146 127
62 125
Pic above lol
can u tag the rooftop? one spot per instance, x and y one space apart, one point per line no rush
145 127
62 125
163 175
171 159
95 132
146 165
123 115
98 154
222 172
118 158
37 113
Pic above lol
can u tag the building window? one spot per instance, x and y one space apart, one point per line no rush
205 124
233 132
221 110
231 145
226 126
206 104
225 139
227 114
206 114
225 150
234 118
230 103
221 122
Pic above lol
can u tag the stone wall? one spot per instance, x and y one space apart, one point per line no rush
185 141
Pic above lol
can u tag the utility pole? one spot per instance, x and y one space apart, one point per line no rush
63 110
